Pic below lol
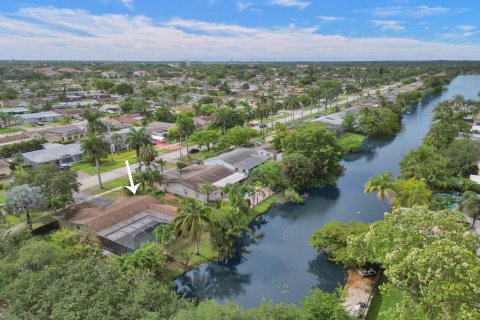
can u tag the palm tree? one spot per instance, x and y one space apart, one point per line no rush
419 194
148 154
116 137
192 220
208 189
95 147
382 184
162 163
262 112
197 108
137 139
94 124
148 178
471 205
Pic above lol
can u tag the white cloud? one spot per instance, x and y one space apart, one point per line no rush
330 18
466 27
64 34
392 25
420 11
128 3
290 3
242 5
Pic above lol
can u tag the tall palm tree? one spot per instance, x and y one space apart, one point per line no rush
148 154
382 184
471 205
208 189
94 124
94 147
262 112
137 139
192 220
197 108
162 163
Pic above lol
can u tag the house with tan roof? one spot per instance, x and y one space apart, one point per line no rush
187 182
123 226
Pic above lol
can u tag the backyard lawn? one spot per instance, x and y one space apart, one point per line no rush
381 302
9 130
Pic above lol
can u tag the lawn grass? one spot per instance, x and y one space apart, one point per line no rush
265 205
13 220
110 185
109 166
106 164
9 130
383 302
186 247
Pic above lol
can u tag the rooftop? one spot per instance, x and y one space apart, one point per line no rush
116 217
243 157
52 152
195 175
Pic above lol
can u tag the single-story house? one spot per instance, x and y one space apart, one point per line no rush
16 111
5 168
110 74
120 142
123 226
140 73
187 182
128 119
157 130
110 108
242 160
64 133
61 154
45 116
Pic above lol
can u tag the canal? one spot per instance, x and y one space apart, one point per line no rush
277 264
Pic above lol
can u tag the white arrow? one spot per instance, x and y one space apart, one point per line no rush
133 188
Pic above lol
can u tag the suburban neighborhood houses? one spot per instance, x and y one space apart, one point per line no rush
186 172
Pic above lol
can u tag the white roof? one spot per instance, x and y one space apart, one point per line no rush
231 179
40 114
53 152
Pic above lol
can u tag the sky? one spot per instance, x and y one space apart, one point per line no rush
239 30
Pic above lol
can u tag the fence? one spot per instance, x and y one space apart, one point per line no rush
46 228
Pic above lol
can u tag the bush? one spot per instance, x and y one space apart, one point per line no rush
181 164
351 142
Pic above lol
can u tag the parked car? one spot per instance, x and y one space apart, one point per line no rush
39 123
367 272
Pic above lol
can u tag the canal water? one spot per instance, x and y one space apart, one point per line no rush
278 265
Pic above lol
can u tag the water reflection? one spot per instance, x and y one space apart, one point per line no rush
276 262
214 280
327 276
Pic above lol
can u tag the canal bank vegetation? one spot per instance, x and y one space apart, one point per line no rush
56 276
419 251
386 118
422 239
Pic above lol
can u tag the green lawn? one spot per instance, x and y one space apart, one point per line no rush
14 219
381 303
9 130
106 164
185 247
113 184
265 205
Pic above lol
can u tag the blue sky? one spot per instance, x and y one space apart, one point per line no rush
239 30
